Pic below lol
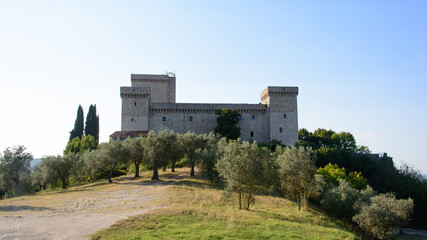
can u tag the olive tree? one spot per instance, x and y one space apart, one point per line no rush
112 154
242 167
344 201
58 167
297 174
135 148
93 164
191 142
158 147
14 165
209 156
383 215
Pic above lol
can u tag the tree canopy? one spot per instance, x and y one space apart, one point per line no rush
226 123
78 125
92 123
14 164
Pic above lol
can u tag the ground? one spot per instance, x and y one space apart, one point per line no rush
80 211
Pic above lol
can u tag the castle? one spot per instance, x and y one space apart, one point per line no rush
149 104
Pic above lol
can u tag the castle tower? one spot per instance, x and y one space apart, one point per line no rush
135 111
162 86
283 115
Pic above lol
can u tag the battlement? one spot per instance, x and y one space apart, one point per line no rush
135 78
278 91
135 92
207 107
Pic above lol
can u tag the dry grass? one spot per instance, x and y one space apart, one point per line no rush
197 210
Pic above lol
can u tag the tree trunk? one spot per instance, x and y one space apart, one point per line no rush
240 200
249 201
110 175
173 166
164 167
192 169
16 189
155 173
64 183
136 170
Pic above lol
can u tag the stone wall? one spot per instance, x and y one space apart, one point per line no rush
135 102
201 118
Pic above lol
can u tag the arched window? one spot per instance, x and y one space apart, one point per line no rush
252 134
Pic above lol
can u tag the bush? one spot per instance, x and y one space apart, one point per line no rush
339 201
385 213
344 201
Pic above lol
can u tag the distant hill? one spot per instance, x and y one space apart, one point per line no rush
34 162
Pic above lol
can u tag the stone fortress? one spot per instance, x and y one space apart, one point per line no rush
149 104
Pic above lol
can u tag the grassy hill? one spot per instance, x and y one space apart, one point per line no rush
196 209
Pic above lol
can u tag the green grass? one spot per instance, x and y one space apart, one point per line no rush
196 210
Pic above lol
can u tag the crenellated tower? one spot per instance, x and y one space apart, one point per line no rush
163 87
283 115
135 111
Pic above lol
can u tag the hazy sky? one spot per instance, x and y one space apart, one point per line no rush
361 66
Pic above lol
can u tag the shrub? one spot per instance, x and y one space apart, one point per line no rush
383 215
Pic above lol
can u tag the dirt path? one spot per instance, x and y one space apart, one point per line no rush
78 212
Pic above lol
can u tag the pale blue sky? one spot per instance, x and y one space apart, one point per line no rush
361 66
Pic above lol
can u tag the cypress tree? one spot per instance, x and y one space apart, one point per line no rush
78 124
92 123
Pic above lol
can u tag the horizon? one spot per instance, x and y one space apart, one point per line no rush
359 66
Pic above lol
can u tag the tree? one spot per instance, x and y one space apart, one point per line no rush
385 213
14 165
93 164
135 148
92 123
242 167
157 151
78 124
176 150
333 174
190 143
344 201
344 141
77 145
209 156
297 169
112 154
226 123
58 167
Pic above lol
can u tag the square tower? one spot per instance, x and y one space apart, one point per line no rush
283 115
135 111
162 86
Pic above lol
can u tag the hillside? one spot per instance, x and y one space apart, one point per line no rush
177 207
196 209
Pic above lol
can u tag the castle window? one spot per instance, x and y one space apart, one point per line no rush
284 115
131 120
190 118
281 129
164 119
134 103
253 117
252 134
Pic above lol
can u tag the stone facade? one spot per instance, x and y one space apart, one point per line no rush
149 104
